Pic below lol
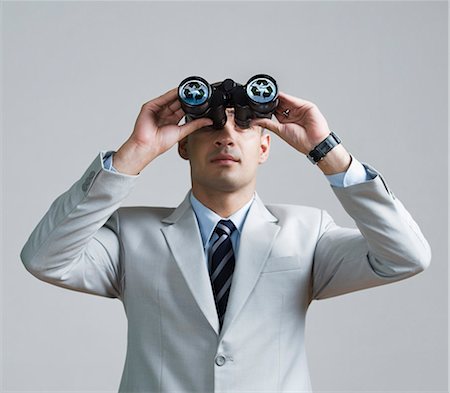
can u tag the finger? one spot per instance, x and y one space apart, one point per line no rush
173 118
175 106
169 115
179 114
167 98
267 123
286 99
282 118
282 112
194 125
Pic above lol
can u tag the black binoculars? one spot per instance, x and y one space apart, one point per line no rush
258 98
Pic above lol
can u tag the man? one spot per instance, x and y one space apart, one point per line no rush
216 291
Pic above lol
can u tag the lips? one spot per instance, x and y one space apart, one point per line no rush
224 158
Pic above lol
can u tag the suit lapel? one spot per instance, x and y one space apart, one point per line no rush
184 240
256 241
185 243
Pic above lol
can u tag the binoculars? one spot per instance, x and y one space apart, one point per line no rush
258 98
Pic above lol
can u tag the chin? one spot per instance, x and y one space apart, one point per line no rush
221 183
226 186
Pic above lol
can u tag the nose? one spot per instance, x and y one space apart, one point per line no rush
225 136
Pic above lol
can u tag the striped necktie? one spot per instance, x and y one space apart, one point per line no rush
222 266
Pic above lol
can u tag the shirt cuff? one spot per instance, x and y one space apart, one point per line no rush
107 161
355 174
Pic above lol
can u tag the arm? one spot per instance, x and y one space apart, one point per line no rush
76 244
387 246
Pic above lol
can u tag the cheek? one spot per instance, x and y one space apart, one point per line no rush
253 158
195 151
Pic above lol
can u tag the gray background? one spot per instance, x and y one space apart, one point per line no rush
75 75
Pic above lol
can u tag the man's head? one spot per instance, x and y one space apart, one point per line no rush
225 160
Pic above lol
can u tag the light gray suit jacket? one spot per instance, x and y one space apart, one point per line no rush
153 261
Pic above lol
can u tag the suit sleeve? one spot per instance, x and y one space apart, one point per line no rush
388 245
76 245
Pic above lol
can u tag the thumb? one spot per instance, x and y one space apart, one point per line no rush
269 124
194 125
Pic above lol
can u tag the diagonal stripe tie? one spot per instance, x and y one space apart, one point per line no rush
222 266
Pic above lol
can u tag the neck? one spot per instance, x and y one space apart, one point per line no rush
223 203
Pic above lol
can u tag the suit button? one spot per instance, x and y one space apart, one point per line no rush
220 360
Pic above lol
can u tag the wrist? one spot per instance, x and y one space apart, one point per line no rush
131 159
337 160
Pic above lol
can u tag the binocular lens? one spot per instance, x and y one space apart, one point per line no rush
194 92
261 90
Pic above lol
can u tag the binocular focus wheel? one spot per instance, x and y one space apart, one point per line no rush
194 92
261 89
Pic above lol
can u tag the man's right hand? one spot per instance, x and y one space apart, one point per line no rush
156 131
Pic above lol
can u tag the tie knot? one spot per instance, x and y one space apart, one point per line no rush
225 227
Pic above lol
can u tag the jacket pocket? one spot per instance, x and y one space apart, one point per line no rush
281 264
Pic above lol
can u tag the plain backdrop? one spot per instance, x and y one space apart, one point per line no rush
75 75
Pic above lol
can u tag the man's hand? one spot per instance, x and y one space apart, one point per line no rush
304 128
156 130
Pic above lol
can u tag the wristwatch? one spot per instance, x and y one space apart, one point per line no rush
321 150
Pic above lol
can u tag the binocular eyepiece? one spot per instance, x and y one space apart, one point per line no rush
258 98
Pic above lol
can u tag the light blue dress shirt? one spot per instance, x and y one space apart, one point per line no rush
207 221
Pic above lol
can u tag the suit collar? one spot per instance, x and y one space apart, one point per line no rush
207 219
179 211
186 204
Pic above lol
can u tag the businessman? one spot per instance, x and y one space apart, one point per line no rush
216 290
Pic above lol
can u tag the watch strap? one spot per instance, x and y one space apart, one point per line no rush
321 150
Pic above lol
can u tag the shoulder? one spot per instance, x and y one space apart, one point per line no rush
286 212
299 219
138 220
144 212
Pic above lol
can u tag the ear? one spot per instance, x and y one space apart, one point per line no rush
264 147
182 148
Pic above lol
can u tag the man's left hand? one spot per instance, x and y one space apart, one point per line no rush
303 126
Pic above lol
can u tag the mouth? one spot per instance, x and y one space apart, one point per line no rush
224 159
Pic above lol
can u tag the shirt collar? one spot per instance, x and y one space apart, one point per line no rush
207 219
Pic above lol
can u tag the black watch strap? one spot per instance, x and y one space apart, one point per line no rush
321 150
